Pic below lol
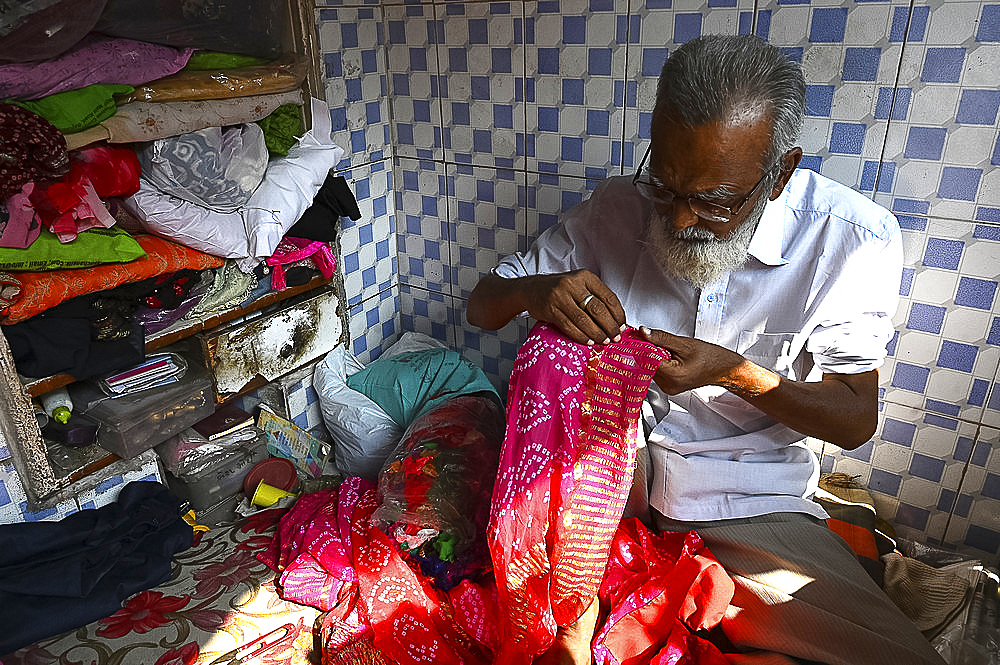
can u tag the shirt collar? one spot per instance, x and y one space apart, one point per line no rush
766 244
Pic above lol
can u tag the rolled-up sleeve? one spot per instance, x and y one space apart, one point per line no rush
853 334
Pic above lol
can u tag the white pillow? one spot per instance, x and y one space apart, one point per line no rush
252 233
219 233
290 184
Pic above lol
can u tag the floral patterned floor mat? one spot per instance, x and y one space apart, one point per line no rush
220 598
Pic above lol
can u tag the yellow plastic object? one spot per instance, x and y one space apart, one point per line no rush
191 519
267 495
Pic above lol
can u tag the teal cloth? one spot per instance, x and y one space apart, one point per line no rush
407 384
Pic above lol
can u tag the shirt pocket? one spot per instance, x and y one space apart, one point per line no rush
769 350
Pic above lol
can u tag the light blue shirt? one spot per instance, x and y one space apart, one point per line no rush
816 295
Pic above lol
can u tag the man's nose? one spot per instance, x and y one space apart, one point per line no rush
682 215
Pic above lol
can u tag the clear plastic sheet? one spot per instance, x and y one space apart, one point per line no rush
220 84
253 27
440 477
189 453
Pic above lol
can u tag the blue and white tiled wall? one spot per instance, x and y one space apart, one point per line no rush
470 126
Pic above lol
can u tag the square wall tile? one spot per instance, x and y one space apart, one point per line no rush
429 312
850 63
487 212
492 350
574 89
913 468
549 196
415 83
946 352
355 74
423 229
375 324
652 30
943 147
975 522
482 83
143 467
368 245
14 502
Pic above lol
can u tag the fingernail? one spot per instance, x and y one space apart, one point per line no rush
618 338
623 327
644 330
590 342
606 341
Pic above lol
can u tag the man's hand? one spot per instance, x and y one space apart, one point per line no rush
692 363
840 408
577 302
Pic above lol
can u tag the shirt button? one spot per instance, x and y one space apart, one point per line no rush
710 297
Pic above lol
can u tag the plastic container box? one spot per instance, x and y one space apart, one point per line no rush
131 424
222 478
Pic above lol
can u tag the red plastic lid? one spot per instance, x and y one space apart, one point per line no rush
275 471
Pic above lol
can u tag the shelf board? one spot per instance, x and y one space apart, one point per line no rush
170 336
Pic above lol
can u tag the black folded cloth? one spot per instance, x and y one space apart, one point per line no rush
57 576
333 201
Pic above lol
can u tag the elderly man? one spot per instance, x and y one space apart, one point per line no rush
773 290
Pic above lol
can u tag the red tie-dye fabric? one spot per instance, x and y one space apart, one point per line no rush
555 535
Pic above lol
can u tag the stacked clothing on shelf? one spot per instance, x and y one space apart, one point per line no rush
143 165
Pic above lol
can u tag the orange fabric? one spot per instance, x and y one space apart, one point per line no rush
42 290
861 540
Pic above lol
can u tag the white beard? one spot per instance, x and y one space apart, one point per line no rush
695 253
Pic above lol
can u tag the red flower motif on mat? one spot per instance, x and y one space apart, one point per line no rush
209 620
185 655
225 574
142 613
263 520
255 543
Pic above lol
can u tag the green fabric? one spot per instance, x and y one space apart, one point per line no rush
282 128
408 384
76 110
90 248
206 60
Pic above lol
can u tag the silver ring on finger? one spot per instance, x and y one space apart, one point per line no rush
586 301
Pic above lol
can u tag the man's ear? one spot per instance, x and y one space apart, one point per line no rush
789 162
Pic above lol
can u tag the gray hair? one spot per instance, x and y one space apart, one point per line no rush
716 77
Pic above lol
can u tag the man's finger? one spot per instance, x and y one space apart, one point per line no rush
660 338
616 312
599 312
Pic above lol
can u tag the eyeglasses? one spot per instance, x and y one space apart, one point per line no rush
707 210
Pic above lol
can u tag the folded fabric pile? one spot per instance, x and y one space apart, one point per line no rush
206 166
57 576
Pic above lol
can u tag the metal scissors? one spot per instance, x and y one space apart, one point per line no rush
254 648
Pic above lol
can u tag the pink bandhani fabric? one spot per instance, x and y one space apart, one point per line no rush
332 556
292 250
565 473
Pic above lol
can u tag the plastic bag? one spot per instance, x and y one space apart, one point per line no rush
241 82
363 435
187 453
435 488
218 168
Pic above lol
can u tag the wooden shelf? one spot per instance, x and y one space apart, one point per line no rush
37 387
